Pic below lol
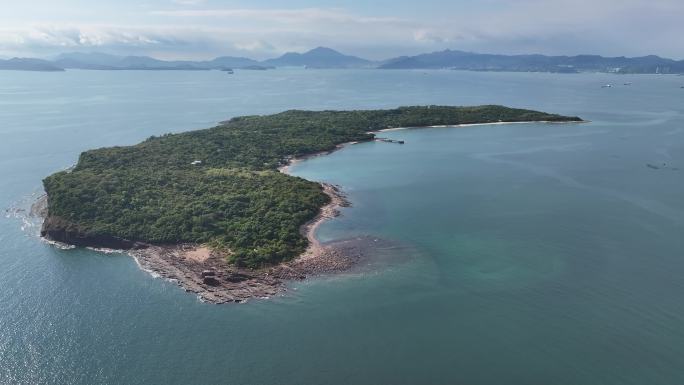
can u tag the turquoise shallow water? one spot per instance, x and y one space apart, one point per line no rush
532 253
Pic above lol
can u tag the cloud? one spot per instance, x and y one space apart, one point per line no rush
189 2
189 29
431 36
286 16
256 46
164 41
628 27
259 33
69 37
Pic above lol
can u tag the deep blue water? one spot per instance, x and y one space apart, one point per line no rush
531 253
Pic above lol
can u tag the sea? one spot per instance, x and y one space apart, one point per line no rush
513 254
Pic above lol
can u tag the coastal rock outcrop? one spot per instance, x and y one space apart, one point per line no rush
211 280
61 230
208 273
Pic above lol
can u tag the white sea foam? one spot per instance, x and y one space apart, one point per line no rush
141 267
58 245
105 250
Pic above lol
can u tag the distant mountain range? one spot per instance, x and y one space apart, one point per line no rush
322 57
535 63
23 64
100 61
316 58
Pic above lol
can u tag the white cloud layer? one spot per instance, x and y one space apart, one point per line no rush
190 28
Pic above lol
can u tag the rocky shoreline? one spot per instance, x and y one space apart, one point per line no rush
206 273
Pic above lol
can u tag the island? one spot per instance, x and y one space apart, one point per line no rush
215 209
27 64
257 68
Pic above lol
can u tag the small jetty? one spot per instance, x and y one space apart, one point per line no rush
388 140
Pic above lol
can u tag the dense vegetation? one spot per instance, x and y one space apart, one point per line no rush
235 199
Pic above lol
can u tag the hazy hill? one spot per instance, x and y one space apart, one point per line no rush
534 63
26 64
320 57
101 61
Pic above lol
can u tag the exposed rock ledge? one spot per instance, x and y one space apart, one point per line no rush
206 273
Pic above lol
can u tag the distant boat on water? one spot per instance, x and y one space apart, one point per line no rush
607 86
229 71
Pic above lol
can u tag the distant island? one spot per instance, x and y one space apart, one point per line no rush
326 58
460 60
212 209
320 57
255 67
19 64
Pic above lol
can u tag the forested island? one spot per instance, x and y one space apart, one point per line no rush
221 187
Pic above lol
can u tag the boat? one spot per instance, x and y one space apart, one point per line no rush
628 83
607 86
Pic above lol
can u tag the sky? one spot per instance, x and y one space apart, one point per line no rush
374 29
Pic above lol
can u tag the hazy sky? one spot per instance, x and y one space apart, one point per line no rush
375 29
